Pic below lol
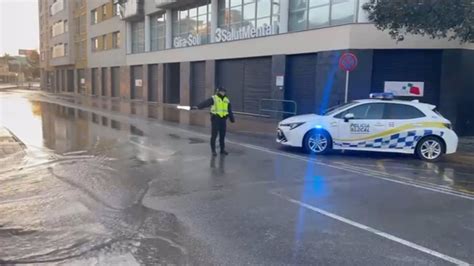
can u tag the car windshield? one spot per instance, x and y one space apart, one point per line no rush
337 108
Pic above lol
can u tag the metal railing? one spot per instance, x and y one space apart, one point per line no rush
278 107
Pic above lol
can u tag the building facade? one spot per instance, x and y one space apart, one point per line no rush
273 56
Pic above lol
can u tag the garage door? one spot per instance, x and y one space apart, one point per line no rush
247 82
198 82
301 82
409 65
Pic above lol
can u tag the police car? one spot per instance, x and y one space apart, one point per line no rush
380 123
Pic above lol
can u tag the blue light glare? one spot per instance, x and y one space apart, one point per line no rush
318 126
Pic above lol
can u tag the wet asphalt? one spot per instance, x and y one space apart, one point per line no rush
98 187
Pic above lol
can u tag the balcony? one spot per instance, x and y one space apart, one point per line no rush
132 10
167 4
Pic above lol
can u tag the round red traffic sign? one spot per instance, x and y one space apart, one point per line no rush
348 61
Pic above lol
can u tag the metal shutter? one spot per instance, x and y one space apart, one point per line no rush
408 65
230 75
301 82
172 83
70 80
257 83
198 82
104 81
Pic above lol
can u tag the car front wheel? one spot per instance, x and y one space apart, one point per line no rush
317 142
430 149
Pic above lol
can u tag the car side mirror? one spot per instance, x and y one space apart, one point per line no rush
348 117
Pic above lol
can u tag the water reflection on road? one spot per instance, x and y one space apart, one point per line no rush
78 191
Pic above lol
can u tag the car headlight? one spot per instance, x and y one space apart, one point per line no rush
292 125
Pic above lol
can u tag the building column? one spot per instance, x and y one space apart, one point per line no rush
88 77
161 84
169 29
184 90
210 78
284 16
214 18
128 36
147 33
108 81
185 83
76 81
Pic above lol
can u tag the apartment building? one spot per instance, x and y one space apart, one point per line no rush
264 52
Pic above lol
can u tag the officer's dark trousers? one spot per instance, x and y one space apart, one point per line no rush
219 126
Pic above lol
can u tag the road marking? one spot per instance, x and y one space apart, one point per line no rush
406 181
373 231
365 172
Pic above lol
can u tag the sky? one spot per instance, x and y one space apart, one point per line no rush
19 25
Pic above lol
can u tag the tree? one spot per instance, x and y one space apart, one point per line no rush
33 60
435 18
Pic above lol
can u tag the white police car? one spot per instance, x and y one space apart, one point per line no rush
377 124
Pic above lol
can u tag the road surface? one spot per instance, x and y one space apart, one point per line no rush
96 186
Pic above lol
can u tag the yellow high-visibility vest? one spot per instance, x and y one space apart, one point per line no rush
220 106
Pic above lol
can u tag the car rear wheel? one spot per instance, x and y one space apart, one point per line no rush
430 149
317 142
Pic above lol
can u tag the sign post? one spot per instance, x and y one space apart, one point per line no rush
347 62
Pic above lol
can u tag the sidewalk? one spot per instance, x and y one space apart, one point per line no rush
9 144
4 86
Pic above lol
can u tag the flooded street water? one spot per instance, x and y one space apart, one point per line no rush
94 184
77 189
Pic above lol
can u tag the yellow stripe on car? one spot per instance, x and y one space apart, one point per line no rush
396 130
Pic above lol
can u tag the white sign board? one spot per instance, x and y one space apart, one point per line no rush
405 88
280 81
83 81
138 83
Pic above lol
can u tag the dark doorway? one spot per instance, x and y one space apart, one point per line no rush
171 93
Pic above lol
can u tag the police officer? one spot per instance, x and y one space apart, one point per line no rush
220 111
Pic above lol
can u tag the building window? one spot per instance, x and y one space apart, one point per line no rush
320 13
66 26
158 32
192 21
66 51
235 14
59 28
116 9
138 37
116 40
94 17
95 44
104 12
